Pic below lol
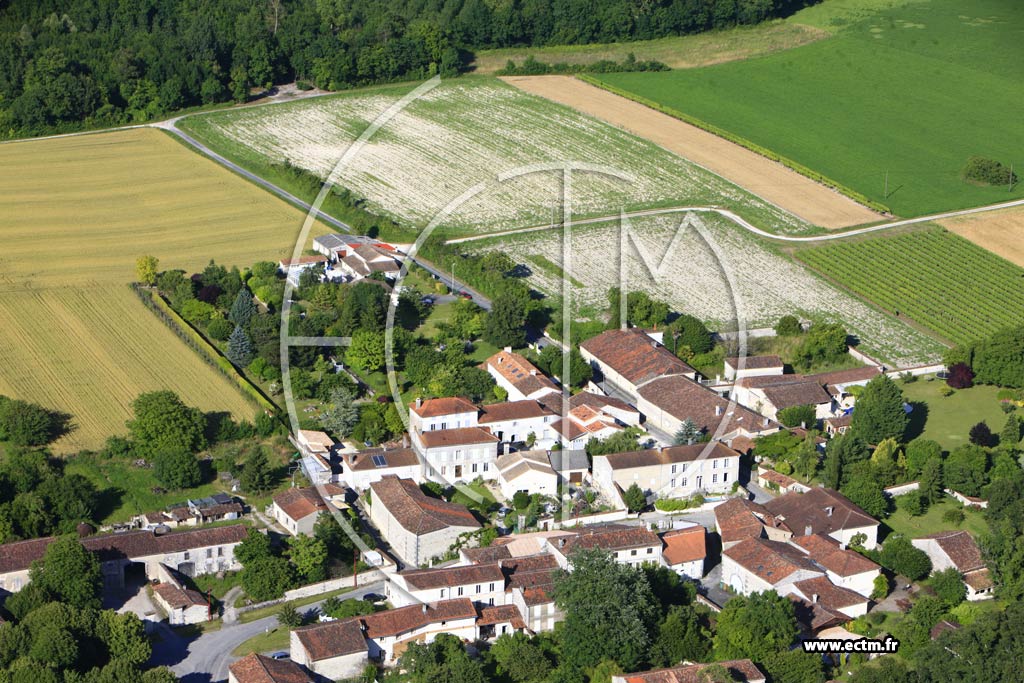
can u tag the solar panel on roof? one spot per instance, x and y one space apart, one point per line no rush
379 461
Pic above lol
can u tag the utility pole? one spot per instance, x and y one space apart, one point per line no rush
355 567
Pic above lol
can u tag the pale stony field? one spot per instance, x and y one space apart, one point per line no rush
465 132
693 279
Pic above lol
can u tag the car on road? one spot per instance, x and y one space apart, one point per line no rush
374 597
280 654
466 295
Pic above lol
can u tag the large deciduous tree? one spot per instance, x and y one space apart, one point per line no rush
756 626
506 323
879 412
162 422
610 612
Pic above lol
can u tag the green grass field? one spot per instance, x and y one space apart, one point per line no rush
931 521
937 279
948 419
907 90
75 213
677 52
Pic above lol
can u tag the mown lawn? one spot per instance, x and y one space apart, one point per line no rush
892 106
948 419
931 522
276 639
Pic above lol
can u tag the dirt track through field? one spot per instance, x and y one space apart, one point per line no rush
1001 232
767 179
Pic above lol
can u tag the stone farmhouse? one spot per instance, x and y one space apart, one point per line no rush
959 550
518 376
192 552
257 668
297 510
673 472
416 526
739 670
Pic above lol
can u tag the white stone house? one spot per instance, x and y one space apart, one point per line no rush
632 545
362 468
333 650
484 584
958 549
516 421
824 511
527 471
417 527
674 472
297 510
753 366
257 668
685 551
462 454
518 376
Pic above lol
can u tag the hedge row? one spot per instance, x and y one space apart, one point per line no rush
742 142
208 352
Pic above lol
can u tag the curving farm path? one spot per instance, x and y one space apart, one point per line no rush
746 225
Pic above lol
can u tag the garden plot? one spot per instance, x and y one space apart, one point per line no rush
692 280
465 132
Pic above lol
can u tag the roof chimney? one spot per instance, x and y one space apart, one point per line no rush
419 401
828 510
424 608
508 349
807 530
718 411
561 543
814 597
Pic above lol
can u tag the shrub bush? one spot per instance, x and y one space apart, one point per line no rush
988 172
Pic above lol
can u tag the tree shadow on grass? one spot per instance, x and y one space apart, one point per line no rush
918 419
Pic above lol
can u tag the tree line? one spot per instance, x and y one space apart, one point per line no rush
66 64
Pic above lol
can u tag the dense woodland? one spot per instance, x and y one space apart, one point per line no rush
66 64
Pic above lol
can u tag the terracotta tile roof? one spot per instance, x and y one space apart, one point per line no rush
841 421
741 670
684 545
612 538
443 577
519 372
20 555
500 615
332 638
832 596
739 518
256 668
299 503
179 598
599 402
635 356
963 552
534 576
362 461
811 509
395 622
771 561
827 552
436 407
979 579
815 616
756 362
415 511
684 399
460 436
796 394
669 455
512 410
490 553
777 478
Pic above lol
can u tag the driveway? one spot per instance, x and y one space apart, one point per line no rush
205 659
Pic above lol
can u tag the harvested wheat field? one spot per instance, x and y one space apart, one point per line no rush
77 339
767 179
1001 232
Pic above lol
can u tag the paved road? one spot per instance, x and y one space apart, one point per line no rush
206 659
749 227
